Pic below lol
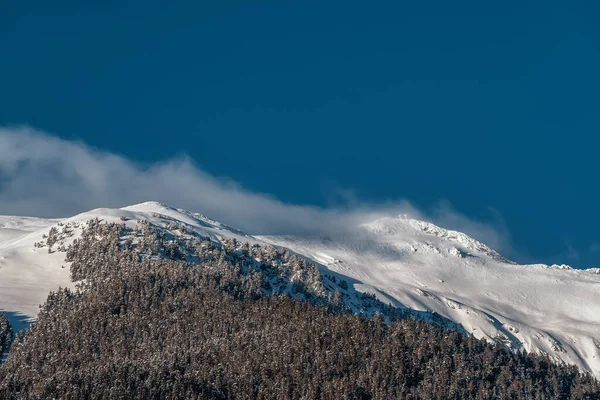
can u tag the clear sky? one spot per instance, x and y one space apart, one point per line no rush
493 107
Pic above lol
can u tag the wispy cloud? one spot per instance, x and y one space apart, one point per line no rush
43 175
493 232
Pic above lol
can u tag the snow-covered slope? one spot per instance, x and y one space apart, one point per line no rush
402 261
14 227
550 309
28 273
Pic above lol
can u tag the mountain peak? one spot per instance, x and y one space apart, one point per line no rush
404 226
146 206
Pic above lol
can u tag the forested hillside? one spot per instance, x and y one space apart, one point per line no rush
159 317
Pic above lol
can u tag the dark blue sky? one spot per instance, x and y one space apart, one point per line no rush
486 105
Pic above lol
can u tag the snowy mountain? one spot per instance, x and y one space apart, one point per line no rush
549 309
403 262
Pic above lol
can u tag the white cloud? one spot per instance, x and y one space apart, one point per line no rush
43 175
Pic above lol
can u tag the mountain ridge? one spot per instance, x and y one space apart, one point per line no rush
401 261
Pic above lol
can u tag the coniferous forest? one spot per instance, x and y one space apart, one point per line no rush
157 317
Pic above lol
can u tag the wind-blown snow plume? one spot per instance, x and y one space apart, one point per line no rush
47 176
